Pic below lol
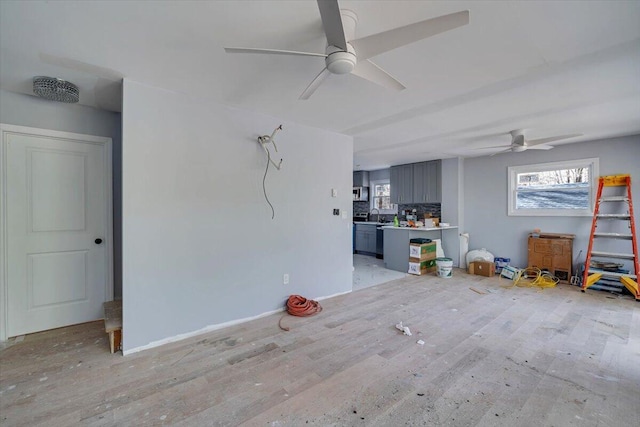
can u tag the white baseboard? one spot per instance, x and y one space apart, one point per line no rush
211 328
334 295
204 330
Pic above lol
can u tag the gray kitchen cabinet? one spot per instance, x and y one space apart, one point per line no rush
420 192
394 184
434 181
401 184
361 179
427 187
366 238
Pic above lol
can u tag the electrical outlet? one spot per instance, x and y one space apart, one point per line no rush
336 212
285 279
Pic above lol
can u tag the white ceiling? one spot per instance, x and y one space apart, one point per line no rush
552 68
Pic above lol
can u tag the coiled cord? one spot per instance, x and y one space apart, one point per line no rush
300 306
531 277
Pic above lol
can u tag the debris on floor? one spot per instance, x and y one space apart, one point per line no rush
420 342
405 329
478 291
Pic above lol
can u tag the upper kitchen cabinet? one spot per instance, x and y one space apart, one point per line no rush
427 186
361 179
401 182
416 183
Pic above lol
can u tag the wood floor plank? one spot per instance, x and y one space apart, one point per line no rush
550 358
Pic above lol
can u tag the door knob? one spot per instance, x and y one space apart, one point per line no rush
98 241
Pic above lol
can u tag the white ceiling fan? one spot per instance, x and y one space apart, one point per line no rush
345 54
520 143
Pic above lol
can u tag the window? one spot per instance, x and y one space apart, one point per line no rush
381 197
553 189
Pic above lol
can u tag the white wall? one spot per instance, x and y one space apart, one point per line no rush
485 196
199 245
24 110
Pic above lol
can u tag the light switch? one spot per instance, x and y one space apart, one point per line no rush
334 192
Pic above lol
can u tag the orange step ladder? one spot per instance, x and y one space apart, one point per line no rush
591 275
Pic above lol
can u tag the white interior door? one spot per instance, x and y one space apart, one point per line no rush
57 229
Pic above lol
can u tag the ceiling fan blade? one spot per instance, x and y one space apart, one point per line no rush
550 139
376 44
499 152
518 140
332 23
493 146
370 71
271 51
315 84
539 147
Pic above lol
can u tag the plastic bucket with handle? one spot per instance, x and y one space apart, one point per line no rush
444 267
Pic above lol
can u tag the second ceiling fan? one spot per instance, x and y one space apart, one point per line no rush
520 143
345 54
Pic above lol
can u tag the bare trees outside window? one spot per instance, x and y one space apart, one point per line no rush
561 188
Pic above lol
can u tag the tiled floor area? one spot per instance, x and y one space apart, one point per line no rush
369 271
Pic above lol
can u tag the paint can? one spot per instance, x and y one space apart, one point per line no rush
444 267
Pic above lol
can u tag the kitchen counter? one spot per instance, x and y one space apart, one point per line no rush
396 244
393 227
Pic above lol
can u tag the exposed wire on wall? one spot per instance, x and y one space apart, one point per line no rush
263 141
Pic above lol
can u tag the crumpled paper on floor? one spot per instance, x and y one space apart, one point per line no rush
405 329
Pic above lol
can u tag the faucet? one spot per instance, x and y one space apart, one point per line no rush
378 217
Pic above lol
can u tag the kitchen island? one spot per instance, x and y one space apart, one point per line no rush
396 243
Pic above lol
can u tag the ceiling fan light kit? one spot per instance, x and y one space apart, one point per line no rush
339 61
347 55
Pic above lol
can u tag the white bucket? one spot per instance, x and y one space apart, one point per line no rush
444 267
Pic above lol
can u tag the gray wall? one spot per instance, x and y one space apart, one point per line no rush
485 196
24 110
379 174
199 245
452 206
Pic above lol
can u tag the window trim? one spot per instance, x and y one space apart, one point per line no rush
513 171
372 186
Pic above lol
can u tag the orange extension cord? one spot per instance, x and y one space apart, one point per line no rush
300 306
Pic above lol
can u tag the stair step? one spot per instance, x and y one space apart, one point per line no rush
607 288
614 235
613 255
614 216
612 274
598 287
614 199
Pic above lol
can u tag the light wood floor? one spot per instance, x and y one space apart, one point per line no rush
509 357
